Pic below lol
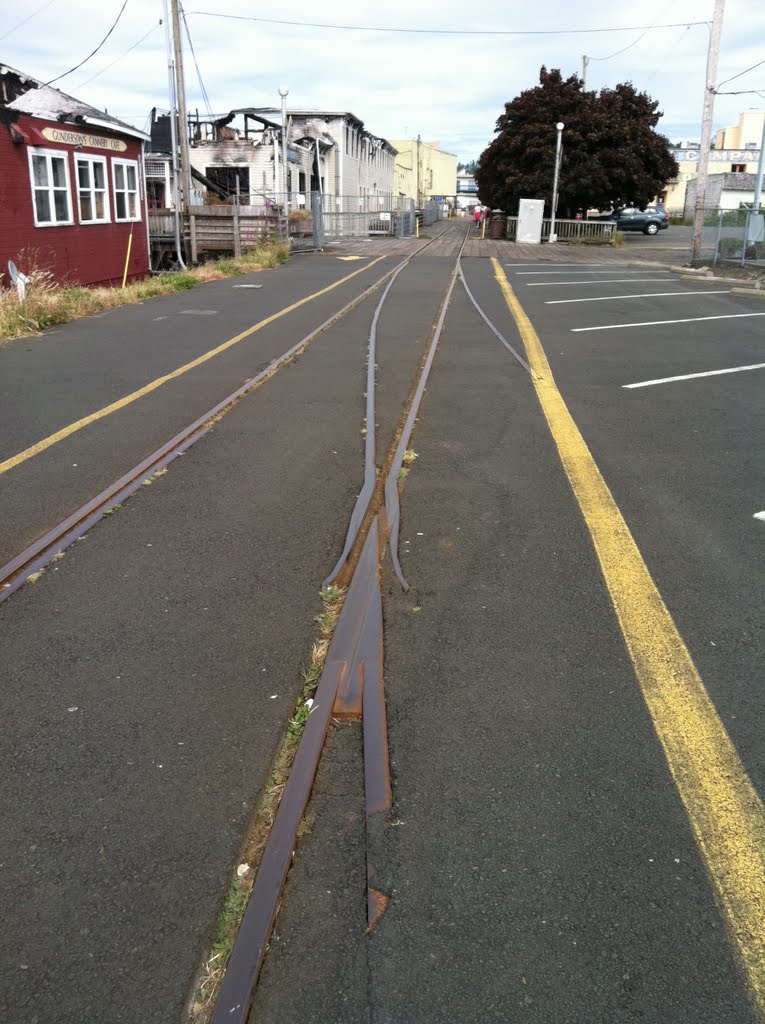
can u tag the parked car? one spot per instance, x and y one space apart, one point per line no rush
650 221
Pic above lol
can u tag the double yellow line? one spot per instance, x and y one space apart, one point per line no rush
725 811
72 428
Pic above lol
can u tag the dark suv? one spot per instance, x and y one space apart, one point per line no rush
650 221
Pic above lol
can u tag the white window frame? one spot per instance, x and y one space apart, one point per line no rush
125 164
61 154
90 160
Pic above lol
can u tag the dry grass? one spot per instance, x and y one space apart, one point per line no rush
240 885
48 304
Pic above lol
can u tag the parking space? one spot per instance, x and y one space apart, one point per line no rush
623 326
664 380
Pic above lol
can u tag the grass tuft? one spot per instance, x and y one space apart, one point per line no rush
48 303
239 890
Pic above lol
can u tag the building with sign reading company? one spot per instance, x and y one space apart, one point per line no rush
732 163
72 192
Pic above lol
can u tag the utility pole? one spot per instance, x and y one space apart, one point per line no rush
585 62
183 121
417 190
706 126
283 92
756 220
173 138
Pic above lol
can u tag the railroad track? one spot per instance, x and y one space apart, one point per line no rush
40 552
352 681
351 684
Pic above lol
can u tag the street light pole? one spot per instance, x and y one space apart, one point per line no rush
559 128
283 93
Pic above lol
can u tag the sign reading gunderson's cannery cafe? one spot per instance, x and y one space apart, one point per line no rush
66 138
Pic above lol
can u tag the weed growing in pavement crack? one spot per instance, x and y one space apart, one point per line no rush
407 463
240 887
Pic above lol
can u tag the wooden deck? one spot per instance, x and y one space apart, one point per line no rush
447 237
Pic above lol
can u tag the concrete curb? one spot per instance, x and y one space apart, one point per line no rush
710 280
758 293
648 263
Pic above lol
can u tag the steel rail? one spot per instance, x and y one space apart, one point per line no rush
370 454
392 504
351 686
355 647
40 552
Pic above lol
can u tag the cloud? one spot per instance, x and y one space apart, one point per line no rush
450 88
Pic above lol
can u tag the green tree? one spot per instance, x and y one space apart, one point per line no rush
612 156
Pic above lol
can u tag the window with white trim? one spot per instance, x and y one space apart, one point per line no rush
49 176
92 192
125 177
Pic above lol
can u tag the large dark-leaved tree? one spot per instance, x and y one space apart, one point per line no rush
612 156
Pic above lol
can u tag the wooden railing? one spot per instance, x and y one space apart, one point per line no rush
219 229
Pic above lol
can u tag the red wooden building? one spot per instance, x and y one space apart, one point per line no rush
72 186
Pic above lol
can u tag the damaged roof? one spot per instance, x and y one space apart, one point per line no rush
29 96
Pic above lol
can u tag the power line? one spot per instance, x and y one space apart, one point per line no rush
642 35
205 97
443 31
129 50
85 61
28 18
740 92
744 72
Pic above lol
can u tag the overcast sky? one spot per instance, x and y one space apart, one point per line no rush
446 87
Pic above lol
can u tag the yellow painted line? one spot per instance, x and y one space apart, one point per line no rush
725 811
348 259
60 435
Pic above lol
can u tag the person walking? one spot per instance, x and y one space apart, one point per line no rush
478 215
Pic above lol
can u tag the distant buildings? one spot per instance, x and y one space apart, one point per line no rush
72 197
467 191
423 170
735 156
240 154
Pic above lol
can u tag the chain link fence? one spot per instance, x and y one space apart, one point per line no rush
347 217
734 237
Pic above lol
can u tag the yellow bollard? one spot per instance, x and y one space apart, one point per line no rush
127 257
416 226
483 226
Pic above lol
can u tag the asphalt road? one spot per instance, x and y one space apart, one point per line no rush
542 864
675 238
54 381
540 861
149 677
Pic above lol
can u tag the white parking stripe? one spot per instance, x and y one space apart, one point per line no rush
692 376
658 323
759 515
622 280
621 270
552 263
643 295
